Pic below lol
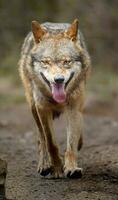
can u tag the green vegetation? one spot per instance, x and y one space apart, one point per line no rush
103 83
98 21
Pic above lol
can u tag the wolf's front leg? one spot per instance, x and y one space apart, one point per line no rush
44 166
49 159
74 140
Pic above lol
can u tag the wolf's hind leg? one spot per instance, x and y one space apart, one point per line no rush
49 147
74 134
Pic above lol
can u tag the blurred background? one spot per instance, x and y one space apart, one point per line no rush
98 20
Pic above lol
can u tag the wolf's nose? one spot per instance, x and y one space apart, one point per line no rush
59 79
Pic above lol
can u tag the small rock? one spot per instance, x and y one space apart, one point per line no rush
3 172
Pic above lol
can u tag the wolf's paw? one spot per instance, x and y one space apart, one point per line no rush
73 173
45 171
44 167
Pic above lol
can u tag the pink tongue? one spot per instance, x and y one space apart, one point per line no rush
58 93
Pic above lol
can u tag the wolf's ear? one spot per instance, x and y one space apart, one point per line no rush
73 30
38 31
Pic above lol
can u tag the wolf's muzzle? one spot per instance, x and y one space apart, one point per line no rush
71 76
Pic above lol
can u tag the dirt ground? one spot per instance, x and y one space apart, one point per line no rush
98 157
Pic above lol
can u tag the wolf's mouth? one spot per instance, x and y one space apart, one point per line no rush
45 79
58 90
71 76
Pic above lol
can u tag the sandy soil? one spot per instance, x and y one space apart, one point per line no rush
98 157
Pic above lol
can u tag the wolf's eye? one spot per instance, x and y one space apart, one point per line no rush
67 63
44 63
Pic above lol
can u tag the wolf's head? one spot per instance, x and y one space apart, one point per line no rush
56 59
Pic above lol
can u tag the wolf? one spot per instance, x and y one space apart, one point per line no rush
54 67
